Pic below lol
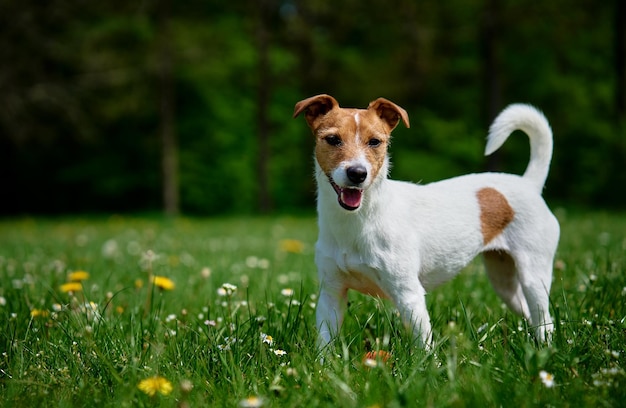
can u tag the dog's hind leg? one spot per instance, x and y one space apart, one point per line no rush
536 279
524 285
502 273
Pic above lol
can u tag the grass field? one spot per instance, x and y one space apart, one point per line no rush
237 327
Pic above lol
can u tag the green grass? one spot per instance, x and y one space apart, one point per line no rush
94 347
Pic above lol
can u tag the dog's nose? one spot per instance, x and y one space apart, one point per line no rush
356 174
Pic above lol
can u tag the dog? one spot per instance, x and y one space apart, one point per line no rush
399 240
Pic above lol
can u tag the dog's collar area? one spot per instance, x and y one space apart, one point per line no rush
349 198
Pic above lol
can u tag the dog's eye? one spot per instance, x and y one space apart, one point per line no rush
374 142
333 140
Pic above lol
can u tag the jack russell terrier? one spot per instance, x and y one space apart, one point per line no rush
399 240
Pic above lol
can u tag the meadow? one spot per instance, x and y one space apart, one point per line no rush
144 311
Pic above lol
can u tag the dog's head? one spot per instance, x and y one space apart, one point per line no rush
351 144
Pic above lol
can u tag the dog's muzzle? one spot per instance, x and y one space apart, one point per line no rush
350 197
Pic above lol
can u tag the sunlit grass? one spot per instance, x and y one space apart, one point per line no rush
189 312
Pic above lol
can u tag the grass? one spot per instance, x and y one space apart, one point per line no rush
212 345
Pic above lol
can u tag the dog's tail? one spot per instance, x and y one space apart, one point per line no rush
532 122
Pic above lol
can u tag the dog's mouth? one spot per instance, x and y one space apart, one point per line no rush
349 197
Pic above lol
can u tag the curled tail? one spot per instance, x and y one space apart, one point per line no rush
532 122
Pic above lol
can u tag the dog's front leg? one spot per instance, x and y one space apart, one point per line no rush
331 307
411 303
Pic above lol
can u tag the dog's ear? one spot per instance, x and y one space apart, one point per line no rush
389 112
314 107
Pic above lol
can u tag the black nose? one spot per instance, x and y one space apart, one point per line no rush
356 174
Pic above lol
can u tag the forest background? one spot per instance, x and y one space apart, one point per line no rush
140 106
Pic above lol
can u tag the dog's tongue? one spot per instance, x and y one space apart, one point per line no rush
351 197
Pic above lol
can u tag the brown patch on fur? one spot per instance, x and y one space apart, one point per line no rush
365 285
389 112
326 118
495 213
355 137
314 107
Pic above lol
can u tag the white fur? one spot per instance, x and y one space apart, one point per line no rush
535 125
406 239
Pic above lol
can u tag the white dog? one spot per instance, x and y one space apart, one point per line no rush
398 240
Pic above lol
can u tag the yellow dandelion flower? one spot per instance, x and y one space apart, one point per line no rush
292 245
138 283
71 287
163 283
155 384
39 313
78 276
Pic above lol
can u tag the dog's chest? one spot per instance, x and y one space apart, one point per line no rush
366 283
362 274
358 260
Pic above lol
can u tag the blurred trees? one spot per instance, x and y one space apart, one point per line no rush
127 106
169 142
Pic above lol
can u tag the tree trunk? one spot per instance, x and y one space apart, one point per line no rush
492 85
620 60
169 143
264 199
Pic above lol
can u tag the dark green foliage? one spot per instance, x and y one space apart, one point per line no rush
80 97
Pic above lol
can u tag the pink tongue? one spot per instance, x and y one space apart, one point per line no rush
351 197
